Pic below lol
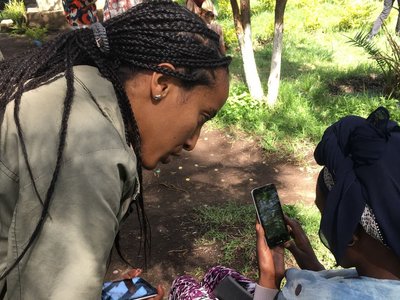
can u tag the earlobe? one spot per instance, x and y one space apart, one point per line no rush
160 83
353 241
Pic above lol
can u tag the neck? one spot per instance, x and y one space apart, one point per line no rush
379 262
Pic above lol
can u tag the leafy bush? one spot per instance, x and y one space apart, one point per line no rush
388 60
15 10
230 37
224 9
262 6
356 16
312 23
36 33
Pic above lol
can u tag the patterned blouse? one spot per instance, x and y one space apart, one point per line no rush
80 13
116 7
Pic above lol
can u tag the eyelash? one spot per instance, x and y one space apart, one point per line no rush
205 118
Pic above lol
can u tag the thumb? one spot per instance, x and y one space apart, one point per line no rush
160 293
260 231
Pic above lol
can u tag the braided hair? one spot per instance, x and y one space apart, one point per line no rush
148 34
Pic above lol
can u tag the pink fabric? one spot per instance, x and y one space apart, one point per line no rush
113 8
187 288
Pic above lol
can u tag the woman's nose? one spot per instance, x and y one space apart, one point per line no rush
192 141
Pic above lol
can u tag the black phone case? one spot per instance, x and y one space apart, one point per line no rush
230 289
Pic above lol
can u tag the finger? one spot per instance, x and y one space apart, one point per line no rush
295 226
160 293
292 247
260 232
132 273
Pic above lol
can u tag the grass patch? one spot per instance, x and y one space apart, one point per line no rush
232 226
323 76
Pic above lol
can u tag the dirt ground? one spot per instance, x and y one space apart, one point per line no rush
219 169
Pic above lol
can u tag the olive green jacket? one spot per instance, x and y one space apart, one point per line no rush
95 186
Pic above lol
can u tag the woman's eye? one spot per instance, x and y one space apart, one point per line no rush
204 118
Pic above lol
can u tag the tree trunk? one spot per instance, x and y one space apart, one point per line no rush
241 19
275 74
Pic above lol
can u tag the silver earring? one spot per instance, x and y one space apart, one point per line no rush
157 97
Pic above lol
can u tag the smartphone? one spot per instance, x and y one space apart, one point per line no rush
270 214
128 289
230 289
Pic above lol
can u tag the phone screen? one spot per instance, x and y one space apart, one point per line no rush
270 214
129 289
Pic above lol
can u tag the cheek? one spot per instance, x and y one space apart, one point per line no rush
347 260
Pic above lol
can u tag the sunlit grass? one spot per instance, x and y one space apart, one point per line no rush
232 227
319 65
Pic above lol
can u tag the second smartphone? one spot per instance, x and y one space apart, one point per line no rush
270 214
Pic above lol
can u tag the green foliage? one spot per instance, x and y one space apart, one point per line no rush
181 2
36 33
262 6
224 9
312 23
15 10
355 16
323 78
388 60
233 227
230 36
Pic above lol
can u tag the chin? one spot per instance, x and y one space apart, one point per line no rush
149 165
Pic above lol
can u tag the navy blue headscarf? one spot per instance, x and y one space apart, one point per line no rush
363 156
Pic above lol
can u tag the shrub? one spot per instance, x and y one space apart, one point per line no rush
262 6
388 60
15 10
356 16
36 33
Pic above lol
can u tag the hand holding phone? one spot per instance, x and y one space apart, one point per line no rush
271 265
128 289
270 214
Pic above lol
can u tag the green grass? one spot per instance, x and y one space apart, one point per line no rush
232 226
323 76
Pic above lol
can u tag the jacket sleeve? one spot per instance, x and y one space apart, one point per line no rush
262 293
68 259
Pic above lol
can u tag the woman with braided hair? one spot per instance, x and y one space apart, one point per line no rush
80 117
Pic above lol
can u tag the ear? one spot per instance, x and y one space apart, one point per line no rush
161 83
354 240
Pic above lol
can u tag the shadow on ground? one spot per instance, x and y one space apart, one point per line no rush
217 171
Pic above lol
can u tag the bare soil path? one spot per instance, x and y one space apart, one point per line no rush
218 170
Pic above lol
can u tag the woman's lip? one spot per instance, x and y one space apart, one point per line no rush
166 160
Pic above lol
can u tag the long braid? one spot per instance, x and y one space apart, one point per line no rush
148 34
63 134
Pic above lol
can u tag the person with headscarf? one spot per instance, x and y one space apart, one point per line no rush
358 195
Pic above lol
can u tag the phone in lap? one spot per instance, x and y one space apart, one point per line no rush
128 289
270 214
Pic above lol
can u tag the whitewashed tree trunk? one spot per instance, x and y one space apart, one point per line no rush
249 65
241 18
275 73
1 56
